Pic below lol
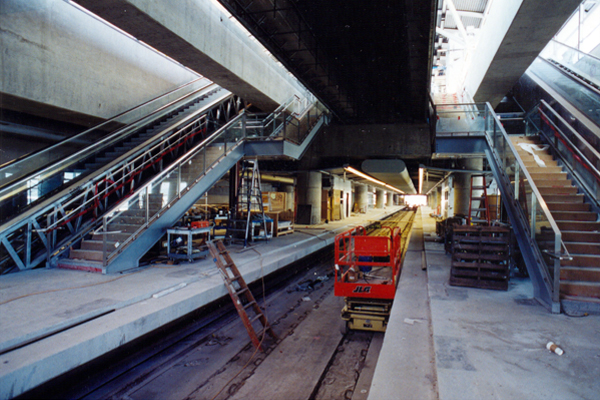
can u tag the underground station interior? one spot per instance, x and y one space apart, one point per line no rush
234 199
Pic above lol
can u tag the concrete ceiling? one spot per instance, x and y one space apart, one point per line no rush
369 61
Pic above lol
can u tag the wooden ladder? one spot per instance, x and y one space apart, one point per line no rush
483 206
240 292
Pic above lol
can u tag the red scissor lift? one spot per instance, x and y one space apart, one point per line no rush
367 268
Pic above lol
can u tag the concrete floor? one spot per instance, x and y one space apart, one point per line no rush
487 344
443 342
52 320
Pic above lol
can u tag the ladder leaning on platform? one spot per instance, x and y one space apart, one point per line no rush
243 299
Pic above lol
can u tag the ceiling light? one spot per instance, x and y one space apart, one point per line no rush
370 178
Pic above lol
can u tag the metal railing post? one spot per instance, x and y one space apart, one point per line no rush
557 259
179 180
147 208
104 244
517 181
533 214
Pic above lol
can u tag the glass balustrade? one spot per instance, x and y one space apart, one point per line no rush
148 202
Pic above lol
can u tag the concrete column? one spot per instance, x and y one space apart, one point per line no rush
390 199
309 193
396 199
290 191
379 193
362 198
462 185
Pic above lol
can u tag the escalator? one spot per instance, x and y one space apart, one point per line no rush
29 180
59 181
134 185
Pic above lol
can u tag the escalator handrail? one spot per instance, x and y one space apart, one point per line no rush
29 158
112 119
14 224
576 74
122 163
580 156
21 184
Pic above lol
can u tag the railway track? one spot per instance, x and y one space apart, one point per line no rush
209 355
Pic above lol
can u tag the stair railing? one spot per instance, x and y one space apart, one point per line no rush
171 184
536 216
460 119
285 123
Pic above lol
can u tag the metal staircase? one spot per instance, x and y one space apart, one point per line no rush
579 226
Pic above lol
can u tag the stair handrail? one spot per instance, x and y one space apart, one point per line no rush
500 143
202 83
277 122
114 213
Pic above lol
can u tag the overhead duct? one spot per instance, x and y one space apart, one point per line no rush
279 179
392 172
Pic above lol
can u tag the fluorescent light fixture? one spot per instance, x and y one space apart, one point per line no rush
370 178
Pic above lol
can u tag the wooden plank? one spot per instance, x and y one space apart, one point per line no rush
480 284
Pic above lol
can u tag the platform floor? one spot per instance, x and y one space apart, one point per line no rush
461 343
442 342
53 320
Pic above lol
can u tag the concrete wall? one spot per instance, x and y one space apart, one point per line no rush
201 35
57 61
535 23
493 30
405 141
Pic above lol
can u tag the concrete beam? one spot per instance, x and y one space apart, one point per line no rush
360 142
61 63
535 23
201 36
